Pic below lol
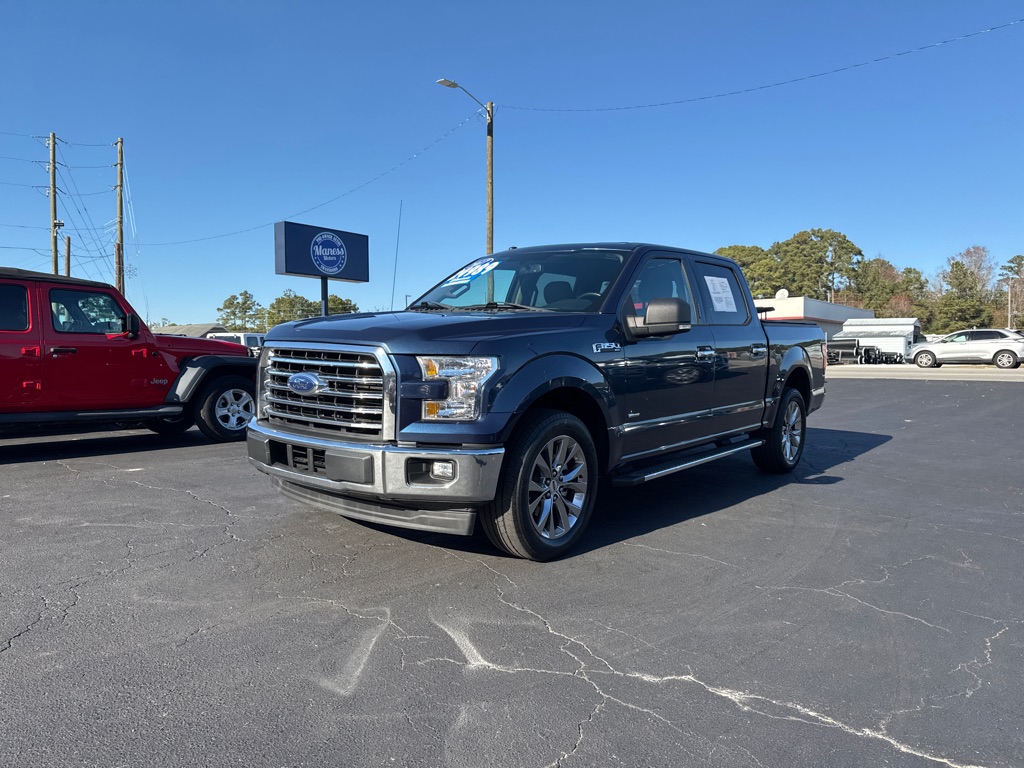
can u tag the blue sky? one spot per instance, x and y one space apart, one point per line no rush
239 114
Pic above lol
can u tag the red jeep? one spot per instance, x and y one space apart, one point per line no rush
73 352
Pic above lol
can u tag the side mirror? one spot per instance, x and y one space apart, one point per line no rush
664 317
132 326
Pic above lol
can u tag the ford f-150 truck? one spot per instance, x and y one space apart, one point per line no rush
73 353
505 392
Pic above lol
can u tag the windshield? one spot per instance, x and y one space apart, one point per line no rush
557 281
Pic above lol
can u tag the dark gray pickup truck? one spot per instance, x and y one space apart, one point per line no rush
509 390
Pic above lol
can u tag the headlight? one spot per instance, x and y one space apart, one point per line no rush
465 377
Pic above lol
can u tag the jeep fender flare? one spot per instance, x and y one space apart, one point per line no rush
197 370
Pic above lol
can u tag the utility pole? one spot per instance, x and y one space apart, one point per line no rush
119 245
53 199
67 256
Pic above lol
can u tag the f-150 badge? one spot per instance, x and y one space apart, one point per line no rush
607 346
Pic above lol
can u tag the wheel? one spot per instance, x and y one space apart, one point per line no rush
1006 359
547 489
925 360
784 441
173 425
224 408
592 298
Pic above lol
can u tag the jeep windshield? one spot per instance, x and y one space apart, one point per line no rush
554 281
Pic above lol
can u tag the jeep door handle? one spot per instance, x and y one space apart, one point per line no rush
757 350
63 350
705 353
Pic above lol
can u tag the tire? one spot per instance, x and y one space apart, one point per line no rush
1006 360
784 441
547 489
175 425
225 407
925 360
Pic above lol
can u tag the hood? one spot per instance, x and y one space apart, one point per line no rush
193 346
416 332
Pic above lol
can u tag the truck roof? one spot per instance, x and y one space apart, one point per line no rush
13 273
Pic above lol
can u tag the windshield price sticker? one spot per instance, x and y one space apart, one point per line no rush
473 271
721 293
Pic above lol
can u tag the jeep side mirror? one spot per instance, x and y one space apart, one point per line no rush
132 326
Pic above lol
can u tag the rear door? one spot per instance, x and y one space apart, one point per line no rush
741 347
985 344
20 348
669 379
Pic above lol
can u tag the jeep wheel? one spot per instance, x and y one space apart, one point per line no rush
784 442
225 407
547 490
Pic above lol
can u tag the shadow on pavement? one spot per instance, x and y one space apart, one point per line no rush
625 513
26 449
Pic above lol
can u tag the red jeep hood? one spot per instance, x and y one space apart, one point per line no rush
194 346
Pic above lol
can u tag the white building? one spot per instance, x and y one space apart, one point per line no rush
829 317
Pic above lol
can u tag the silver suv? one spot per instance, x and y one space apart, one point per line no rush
997 346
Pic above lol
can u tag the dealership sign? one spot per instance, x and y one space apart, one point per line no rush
306 251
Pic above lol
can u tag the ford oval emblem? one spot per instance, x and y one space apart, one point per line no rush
304 383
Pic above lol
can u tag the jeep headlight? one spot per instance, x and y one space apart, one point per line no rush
465 377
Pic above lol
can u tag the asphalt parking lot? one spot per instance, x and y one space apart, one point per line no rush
161 605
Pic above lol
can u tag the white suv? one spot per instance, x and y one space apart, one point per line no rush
997 346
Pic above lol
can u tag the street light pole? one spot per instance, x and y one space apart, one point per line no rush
489 109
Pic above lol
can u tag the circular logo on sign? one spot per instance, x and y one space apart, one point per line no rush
328 253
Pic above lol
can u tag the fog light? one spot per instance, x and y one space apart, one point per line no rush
442 470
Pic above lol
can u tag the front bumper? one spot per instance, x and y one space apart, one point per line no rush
379 483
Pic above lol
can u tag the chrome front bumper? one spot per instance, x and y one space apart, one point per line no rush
380 483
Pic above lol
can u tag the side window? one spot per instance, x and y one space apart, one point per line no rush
720 289
13 308
85 312
660 278
959 338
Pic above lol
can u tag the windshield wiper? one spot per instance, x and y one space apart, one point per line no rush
428 305
506 305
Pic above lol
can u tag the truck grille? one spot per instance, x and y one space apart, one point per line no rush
347 390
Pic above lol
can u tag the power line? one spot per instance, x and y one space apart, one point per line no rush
378 177
769 85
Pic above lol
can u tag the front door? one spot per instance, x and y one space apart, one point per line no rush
669 379
89 362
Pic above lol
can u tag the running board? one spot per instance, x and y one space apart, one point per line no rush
654 471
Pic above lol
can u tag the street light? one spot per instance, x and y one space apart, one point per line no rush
489 109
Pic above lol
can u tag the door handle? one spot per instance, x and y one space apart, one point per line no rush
63 350
757 350
705 353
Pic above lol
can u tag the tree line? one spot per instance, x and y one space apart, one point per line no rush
241 311
970 290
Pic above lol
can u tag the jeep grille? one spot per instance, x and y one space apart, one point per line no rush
350 399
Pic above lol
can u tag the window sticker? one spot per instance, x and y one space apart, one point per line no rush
473 271
721 294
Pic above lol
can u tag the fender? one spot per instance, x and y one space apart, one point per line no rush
780 372
546 374
195 370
